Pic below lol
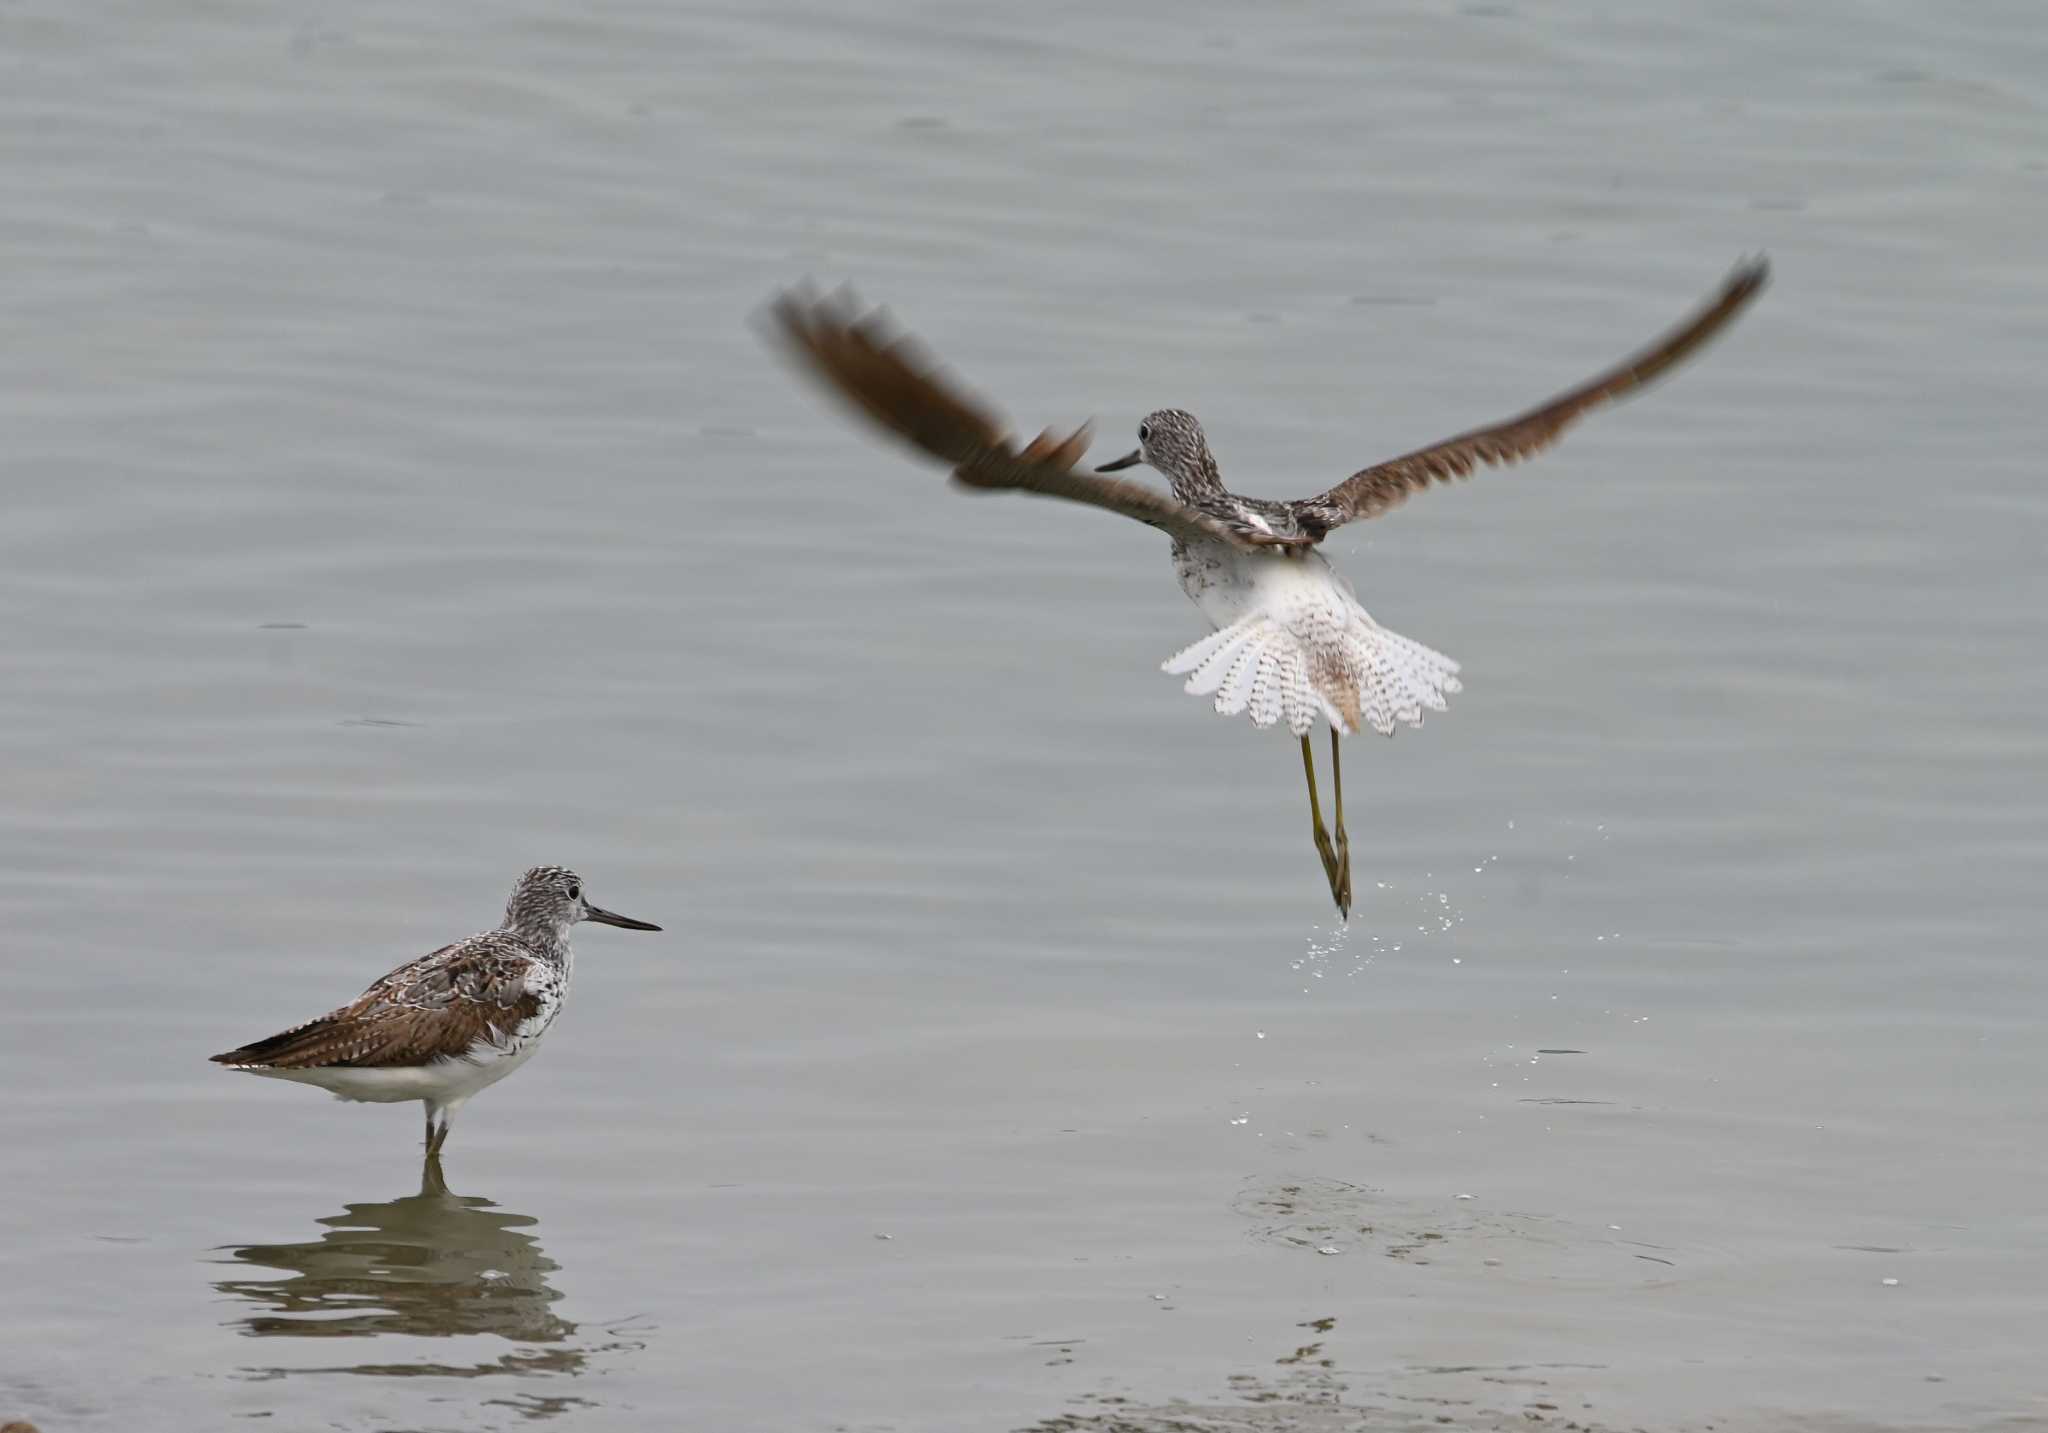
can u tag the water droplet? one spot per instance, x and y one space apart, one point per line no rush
1333 1249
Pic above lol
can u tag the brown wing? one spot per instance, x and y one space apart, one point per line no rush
436 1008
1372 491
891 378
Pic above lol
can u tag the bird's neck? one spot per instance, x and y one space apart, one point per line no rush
550 943
1205 480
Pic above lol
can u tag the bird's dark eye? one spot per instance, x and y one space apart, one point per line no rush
575 891
1144 432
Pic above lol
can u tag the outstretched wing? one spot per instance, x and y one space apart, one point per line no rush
1372 491
891 378
437 1008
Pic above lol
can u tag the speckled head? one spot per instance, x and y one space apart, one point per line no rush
549 899
1173 442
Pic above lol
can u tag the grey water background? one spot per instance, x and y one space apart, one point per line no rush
397 496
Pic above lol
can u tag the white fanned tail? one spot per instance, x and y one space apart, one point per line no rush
1331 665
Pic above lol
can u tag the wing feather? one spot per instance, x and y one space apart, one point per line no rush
436 1008
1372 491
897 383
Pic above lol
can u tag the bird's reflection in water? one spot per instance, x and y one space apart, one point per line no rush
430 1265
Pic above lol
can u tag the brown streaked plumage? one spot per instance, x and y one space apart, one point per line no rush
438 1007
441 1028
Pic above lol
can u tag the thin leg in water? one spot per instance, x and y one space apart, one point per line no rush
1342 890
1315 816
437 1129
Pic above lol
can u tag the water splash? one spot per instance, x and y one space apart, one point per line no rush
1326 948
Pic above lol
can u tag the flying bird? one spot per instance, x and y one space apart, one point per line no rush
1291 642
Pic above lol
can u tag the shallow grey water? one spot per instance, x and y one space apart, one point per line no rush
398 497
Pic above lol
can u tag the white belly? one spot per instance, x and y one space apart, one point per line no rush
444 1082
1228 583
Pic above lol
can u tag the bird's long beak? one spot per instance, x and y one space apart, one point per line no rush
605 917
1128 460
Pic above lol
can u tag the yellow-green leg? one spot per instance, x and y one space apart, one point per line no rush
1340 887
1343 890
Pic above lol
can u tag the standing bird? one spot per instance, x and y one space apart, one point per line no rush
442 1027
1291 642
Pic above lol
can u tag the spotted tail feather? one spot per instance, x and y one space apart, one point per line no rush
1403 679
1352 676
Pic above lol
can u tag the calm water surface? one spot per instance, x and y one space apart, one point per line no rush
397 497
